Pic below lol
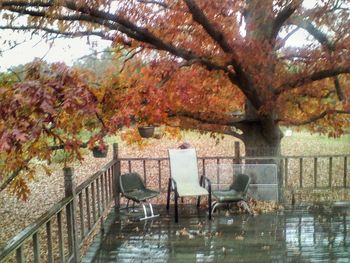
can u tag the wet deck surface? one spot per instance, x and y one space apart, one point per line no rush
294 235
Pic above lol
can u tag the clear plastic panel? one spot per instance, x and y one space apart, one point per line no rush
263 184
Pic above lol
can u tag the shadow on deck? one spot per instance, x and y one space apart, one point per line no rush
294 235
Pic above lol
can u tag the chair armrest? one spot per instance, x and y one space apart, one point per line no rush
173 184
204 181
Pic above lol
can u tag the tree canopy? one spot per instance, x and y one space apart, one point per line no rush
220 66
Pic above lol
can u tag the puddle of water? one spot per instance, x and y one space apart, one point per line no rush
300 235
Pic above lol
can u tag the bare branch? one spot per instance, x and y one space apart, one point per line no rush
11 177
154 2
130 57
284 40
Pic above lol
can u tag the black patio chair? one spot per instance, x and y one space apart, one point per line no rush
133 188
236 193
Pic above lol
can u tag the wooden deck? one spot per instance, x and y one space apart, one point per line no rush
301 234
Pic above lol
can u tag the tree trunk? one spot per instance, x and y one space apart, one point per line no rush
263 138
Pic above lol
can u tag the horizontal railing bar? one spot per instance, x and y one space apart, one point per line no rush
17 241
314 188
234 157
86 183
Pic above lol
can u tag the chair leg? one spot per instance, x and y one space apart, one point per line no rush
146 216
209 201
246 207
176 209
214 205
168 196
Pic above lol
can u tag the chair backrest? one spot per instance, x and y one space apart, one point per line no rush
241 183
183 166
130 182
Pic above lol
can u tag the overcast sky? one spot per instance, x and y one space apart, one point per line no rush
69 50
65 50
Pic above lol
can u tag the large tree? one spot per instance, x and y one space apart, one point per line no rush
213 65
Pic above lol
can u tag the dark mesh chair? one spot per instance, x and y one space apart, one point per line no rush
236 193
133 188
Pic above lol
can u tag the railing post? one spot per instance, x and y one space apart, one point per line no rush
237 152
345 171
69 190
116 174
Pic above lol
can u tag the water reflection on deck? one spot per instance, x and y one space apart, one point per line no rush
298 235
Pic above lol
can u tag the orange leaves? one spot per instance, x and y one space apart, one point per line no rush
20 188
132 137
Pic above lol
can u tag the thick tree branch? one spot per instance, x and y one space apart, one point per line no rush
217 36
313 118
201 19
312 30
195 124
323 39
57 32
319 75
38 3
282 17
209 119
118 23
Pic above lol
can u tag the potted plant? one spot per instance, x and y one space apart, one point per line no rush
146 131
100 152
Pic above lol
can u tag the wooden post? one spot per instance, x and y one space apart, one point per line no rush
301 172
280 187
69 190
237 152
330 172
315 172
116 174
345 171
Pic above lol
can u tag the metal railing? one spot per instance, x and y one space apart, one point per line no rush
295 173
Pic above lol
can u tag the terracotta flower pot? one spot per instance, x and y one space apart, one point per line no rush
146 132
98 153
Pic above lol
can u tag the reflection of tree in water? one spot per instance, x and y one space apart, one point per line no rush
321 233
